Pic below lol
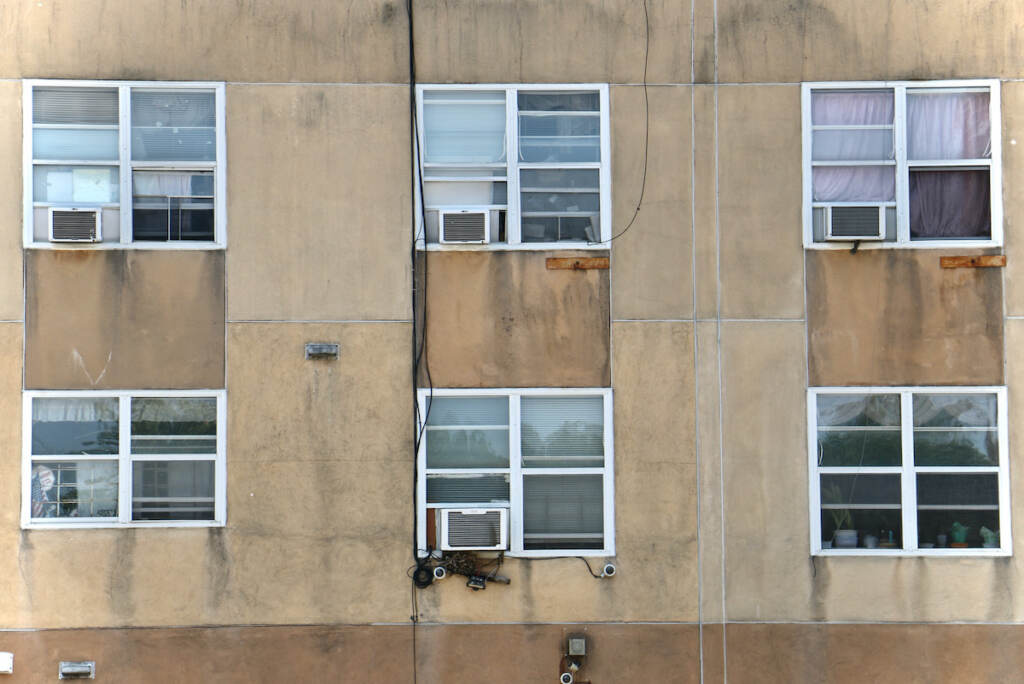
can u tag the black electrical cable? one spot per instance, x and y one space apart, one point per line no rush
647 131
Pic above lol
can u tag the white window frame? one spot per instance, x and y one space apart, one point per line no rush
516 471
994 165
126 165
124 460
512 164
908 472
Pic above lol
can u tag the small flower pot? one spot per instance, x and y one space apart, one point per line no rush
845 539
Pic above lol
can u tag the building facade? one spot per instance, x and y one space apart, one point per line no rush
681 287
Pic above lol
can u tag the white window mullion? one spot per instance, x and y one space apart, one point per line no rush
608 472
605 179
124 461
813 487
909 478
125 148
220 476
902 169
995 166
513 228
1002 418
515 480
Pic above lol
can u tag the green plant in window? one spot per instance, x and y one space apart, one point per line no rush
842 518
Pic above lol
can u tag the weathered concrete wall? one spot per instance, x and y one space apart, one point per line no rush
318 203
895 317
266 41
11 293
817 40
503 319
137 319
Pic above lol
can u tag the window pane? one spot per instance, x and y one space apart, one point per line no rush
560 229
853 145
852 107
562 432
869 504
74 489
860 489
854 183
463 127
457 489
563 512
75 184
950 204
174 426
959 489
172 205
959 507
173 126
948 125
859 430
172 490
955 410
90 106
550 131
455 448
854 528
75 144
74 426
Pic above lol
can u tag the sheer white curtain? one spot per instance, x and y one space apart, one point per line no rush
945 125
853 109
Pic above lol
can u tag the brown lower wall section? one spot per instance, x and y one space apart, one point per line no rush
617 653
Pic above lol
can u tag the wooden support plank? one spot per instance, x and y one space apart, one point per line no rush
576 263
990 261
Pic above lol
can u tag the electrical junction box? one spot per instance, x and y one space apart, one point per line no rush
577 646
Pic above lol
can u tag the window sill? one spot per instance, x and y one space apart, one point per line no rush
915 553
522 247
194 246
920 244
94 525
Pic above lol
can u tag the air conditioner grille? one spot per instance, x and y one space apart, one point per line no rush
854 222
474 530
465 227
74 226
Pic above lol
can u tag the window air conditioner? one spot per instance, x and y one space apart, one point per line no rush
856 223
465 226
480 529
74 225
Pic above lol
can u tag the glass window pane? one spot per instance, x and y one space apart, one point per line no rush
76 184
961 489
859 430
955 410
89 106
860 489
173 490
867 504
852 107
463 127
75 144
948 204
853 145
562 432
459 489
174 426
173 126
74 489
945 448
560 229
563 512
948 125
854 183
172 205
876 410
72 426
559 127
455 448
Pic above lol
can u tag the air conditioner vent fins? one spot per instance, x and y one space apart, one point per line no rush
74 225
465 226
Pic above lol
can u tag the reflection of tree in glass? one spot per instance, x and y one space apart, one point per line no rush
955 449
845 448
470 448
571 438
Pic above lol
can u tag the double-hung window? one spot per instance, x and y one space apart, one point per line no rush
104 459
910 164
514 166
118 164
909 471
527 471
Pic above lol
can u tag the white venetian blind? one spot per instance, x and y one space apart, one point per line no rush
562 432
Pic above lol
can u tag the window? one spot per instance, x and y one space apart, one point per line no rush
103 459
115 163
540 458
515 167
919 470
902 164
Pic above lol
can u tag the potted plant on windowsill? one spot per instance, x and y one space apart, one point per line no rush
845 536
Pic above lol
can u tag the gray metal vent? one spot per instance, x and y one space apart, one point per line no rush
74 225
464 226
855 223
474 528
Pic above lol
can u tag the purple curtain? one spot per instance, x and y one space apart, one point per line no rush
950 204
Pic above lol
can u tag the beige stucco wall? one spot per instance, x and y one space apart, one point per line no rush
134 319
11 293
652 260
503 319
318 188
814 40
759 237
895 317
267 41
1012 95
319 501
